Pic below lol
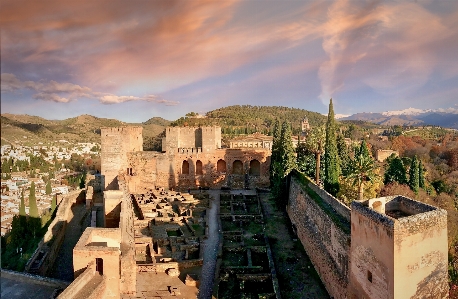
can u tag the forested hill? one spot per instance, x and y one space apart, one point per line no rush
248 119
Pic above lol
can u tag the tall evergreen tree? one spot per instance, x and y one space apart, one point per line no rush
48 188
22 206
22 214
421 175
286 149
282 159
275 156
344 154
414 179
396 171
33 209
331 160
53 203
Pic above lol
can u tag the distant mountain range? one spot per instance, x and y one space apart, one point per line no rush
27 129
447 118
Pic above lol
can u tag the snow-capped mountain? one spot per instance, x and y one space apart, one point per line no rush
415 111
447 118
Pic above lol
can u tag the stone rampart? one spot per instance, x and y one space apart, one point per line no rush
89 282
194 169
33 279
45 255
324 233
126 224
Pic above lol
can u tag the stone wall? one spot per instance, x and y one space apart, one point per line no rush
49 246
126 224
88 277
323 231
112 207
95 181
34 279
166 170
402 257
116 143
206 139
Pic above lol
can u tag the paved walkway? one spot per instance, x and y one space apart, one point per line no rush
210 249
63 266
13 289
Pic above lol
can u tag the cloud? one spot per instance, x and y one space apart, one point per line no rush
55 92
113 99
389 46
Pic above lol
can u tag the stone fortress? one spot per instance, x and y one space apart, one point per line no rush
390 247
191 157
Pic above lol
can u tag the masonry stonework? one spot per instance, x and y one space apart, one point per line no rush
396 248
116 143
391 247
192 157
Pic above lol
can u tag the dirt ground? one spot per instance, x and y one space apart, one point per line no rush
295 272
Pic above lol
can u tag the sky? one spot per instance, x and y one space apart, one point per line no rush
133 60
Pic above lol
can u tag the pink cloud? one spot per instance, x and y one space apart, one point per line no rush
54 91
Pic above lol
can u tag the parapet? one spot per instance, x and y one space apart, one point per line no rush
396 209
117 130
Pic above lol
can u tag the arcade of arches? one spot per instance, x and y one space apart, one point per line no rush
237 167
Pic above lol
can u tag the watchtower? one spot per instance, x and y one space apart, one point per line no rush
116 143
398 249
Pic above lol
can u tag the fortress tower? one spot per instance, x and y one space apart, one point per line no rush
116 143
398 249
202 139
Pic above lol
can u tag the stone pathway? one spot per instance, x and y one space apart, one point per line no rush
24 289
210 249
63 266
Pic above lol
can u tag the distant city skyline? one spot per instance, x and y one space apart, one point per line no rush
136 60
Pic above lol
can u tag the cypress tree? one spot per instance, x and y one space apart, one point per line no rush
344 154
22 205
275 156
332 169
414 179
421 175
287 157
396 172
33 209
22 214
54 203
48 188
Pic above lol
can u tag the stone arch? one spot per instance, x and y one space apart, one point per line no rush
237 167
185 167
199 167
255 167
221 166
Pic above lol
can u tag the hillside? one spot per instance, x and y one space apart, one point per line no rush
30 130
418 118
249 119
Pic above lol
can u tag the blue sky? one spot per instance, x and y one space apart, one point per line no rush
133 60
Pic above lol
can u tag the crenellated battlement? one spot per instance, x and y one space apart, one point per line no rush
125 129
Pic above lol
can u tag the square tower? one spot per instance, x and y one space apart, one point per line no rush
211 138
398 249
116 143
